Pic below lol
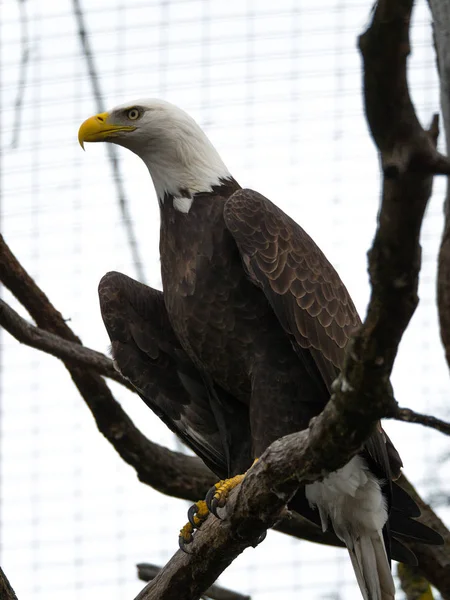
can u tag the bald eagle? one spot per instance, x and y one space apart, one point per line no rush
244 342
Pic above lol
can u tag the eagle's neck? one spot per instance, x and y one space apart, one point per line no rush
203 206
183 167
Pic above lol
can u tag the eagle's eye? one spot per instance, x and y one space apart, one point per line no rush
133 114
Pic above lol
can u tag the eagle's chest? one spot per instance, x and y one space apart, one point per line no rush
213 308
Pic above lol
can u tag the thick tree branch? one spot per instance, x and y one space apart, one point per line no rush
6 591
148 572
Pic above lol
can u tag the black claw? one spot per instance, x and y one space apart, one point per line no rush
214 507
262 537
191 514
182 543
209 498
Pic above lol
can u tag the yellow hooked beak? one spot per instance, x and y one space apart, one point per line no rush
98 129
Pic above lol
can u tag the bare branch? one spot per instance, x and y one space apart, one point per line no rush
410 416
6 591
147 572
53 344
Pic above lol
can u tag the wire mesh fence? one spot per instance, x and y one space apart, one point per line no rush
277 88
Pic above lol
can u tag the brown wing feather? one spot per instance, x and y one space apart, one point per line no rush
147 352
304 289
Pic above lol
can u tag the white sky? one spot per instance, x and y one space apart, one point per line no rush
277 88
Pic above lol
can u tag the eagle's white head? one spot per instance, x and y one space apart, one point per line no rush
181 159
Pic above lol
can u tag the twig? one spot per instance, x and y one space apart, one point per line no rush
410 416
53 344
147 572
6 591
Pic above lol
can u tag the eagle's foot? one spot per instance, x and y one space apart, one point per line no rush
197 514
218 494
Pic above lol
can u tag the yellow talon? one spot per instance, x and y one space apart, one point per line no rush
224 487
197 514
186 536
218 494
200 514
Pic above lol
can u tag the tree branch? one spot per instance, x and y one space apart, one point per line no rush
147 572
410 416
55 345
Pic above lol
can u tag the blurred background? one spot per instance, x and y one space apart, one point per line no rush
277 87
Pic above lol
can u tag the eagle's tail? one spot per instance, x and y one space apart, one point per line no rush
352 500
371 566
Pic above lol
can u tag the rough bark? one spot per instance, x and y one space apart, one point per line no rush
410 416
53 344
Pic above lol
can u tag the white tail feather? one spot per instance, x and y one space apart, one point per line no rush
371 566
352 500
